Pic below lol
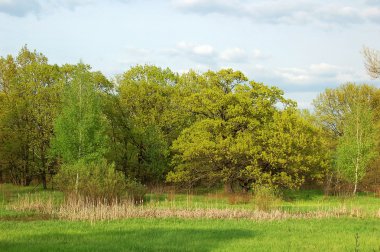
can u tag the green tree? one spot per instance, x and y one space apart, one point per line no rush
357 146
80 129
146 117
80 138
243 135
332 106
30 88
332 109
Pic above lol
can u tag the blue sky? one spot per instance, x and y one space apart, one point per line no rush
301 46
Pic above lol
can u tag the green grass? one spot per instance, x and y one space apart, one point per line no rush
20 231
191 235
293 201
10 193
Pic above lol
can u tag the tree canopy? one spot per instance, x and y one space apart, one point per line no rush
154 126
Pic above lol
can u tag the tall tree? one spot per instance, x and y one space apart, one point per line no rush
333 108
146 117
80 129
30 88
357 146
332 105
243 135
81 126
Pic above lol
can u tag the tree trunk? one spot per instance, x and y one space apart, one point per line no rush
245 189
358 143
43 171
43 180
228 187
77 183
356 177
28 180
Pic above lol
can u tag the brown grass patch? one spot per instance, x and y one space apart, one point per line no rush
81 209
122 211
239 198
33 203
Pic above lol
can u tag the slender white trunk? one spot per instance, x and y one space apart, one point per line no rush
80 134
358 143
76 183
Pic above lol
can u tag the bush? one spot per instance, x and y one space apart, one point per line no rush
95 181
265 197
136 191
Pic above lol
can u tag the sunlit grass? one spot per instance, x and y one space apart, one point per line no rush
292 201
33 231
191 235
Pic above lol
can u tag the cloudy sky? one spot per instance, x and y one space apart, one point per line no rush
301 46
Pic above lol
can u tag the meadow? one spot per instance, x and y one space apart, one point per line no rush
357 229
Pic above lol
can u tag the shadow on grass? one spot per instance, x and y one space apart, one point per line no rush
151 239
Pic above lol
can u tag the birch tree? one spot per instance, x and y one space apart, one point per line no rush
356 147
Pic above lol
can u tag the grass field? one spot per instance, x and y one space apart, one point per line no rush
191 235
31 231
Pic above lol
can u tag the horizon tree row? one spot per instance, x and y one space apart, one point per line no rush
153 126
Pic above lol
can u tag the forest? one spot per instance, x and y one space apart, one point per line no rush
73 129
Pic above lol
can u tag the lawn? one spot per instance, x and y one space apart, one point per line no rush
191 235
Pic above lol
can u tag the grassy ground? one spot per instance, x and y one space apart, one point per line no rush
20 231
293 201
191 235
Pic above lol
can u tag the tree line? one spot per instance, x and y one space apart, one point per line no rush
153 126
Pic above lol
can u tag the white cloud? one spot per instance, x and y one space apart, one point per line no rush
196 49
239 55
318 73
289 12
234 54
208 54
203 50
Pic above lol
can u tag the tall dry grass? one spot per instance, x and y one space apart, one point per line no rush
33 203
82 209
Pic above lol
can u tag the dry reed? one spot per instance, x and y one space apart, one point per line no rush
33 203
122 211
81 209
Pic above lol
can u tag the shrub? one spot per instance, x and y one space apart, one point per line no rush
136 191
265 197
95 181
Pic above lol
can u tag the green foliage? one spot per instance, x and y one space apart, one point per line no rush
357 146
333 105
145 120
242 135
29 94
80 128
94 181
265 197
291 151
193 129
136 191
335 111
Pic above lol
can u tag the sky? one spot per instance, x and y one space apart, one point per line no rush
300 46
